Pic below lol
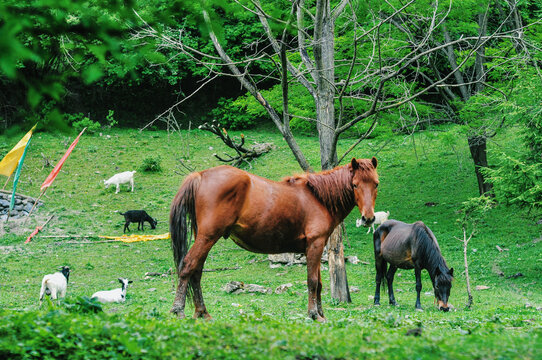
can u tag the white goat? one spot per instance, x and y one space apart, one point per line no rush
115 295
380 217
55 285
121 178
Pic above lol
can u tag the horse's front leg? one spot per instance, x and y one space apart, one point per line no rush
418 273
314 280
389 277
319 294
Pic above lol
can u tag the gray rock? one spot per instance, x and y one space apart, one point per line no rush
283 288
18 207
28 207
233 287
4 203
253 288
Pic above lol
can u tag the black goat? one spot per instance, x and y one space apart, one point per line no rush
139 217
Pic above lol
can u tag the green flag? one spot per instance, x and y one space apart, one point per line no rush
17 174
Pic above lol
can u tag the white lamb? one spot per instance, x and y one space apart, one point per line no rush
55 285
380 217
115 295
121 178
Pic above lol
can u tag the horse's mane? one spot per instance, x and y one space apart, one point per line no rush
429 250
332 187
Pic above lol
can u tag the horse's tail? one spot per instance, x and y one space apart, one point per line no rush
183 207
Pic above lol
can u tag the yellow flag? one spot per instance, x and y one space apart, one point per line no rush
10 161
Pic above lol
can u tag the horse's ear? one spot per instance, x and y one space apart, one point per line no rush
451 272
374 162
354 164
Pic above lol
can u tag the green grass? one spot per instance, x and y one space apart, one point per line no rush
503 323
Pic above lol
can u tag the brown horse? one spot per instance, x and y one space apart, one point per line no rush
411 246
297 215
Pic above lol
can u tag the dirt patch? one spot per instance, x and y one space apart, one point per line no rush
18 226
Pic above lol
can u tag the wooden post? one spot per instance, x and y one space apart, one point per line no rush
9 177
35 203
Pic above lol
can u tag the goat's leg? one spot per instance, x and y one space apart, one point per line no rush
389 276
42 293
54 294
118 189
418 274
132 183
126 226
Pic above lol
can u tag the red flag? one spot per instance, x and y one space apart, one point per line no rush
58 166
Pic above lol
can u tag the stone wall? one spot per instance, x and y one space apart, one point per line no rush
23 205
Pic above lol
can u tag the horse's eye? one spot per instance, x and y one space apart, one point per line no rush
355 186
376 185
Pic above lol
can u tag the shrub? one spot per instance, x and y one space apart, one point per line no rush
151 164
79 121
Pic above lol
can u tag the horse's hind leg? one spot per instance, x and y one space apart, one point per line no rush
418 273
389 277
191 272
380 266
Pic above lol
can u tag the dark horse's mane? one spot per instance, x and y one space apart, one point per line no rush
429 250
333 188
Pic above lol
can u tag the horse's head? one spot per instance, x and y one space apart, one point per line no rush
365 183
443 285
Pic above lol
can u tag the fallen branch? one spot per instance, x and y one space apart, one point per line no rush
222 269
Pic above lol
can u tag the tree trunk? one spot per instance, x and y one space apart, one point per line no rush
324 58
337 273
467 278
477 147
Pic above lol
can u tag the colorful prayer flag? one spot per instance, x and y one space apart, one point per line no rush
58 166
17 174
10 161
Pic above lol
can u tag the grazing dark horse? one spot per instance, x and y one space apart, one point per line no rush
296 215
411 246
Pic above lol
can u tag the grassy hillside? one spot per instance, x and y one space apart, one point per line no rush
505 321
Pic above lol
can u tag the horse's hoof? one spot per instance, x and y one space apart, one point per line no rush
377 304
202 315
319 318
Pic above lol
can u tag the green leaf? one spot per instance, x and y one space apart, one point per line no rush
92 73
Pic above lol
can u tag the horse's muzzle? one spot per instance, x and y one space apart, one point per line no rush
445 309
367 222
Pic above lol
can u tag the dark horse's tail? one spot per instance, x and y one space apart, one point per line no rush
183 207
